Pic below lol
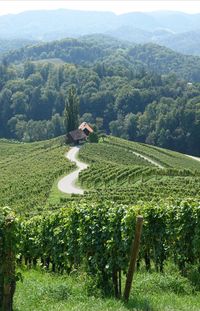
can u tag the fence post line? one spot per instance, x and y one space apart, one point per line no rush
133 257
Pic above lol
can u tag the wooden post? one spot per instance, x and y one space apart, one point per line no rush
134 253
9 266
1 269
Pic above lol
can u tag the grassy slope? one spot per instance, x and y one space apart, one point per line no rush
28 172
33 169
151 292
165 157
118 150
117 174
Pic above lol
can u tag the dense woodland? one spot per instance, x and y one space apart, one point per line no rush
8 44
145 93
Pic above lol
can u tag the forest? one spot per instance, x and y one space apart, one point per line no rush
146 93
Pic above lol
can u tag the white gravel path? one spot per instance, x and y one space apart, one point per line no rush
67 183
194 158
148 159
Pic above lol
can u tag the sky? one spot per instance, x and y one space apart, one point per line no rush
116 6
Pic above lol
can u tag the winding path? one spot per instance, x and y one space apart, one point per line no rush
194 158
147 159
67 183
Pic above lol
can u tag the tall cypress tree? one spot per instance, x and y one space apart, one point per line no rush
71 110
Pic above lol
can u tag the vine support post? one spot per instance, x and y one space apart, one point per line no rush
9 266
134 253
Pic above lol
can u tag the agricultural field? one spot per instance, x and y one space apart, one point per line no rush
165 157
28 172
116 173
66 235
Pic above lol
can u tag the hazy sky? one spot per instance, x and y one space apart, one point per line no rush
116 6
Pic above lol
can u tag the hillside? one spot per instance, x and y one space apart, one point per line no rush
117 166
97 48
138 92
73 219
119 173
28 172
6 45
175 30
59 232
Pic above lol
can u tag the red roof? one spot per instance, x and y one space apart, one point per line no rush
85 125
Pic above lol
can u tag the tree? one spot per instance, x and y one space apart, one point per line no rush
93 137
71 110
19 103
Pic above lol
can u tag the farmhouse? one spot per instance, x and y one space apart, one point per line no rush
86 128
76 136
79 135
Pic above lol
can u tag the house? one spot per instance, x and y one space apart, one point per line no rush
86 128
76 136
79 135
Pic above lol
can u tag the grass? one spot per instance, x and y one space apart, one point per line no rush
56 195
43 291
35 169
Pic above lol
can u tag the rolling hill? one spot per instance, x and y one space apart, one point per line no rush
117 166
175 30
97 48
129 87
56 232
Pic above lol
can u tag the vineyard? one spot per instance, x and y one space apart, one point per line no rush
130 179
28 172
73 233
165 157
80 234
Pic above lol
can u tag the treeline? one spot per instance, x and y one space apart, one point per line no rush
88 49
94 48
121 97
7 45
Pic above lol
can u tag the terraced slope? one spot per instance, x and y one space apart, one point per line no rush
28 172
165 157
116 173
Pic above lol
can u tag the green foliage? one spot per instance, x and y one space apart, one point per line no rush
109 153
28 172
134 92
93 137
71 111
103 221
167 158
151 291
81 233
117 174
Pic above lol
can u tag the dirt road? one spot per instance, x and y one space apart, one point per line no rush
67 183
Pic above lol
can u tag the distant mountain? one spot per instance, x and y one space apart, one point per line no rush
186 42
49 25
176 30
8 45
138 35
